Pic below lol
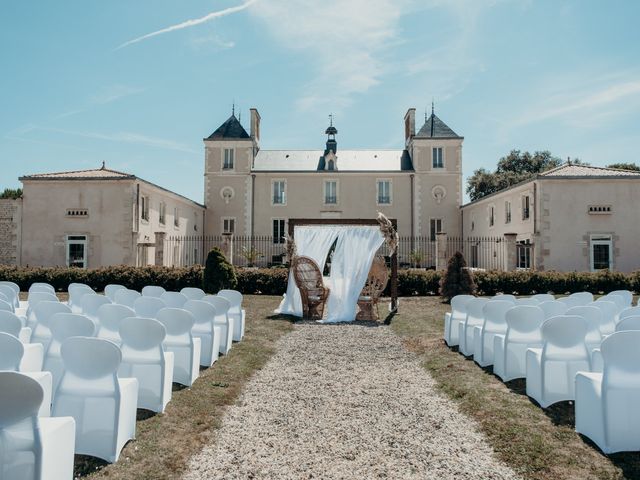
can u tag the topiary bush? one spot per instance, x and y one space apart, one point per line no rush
218 273
457 279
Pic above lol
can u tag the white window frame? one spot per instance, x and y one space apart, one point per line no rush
224 219
162 214
491 215
326 182
507 212
77 241
378 182
599 239
529 248
433 158
144 208
176 217
527 208
433 235
284 192
223 159
284 232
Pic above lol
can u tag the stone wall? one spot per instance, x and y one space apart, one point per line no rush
10 231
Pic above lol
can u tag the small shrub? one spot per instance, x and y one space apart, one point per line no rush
457 279
218 272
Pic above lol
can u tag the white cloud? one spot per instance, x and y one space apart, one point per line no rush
190 23
103 97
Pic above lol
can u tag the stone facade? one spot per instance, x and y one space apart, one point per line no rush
10 231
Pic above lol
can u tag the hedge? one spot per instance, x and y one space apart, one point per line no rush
273 281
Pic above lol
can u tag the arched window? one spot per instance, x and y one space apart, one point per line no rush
332 165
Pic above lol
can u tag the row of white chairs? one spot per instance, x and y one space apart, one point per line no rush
576 349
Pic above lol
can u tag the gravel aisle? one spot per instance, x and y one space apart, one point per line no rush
345 401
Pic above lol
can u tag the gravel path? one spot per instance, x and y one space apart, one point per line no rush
345 402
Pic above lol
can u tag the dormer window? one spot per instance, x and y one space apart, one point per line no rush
331 165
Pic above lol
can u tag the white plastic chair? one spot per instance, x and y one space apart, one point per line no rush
34 299
179 340
543 297
626 294
90 304
630 322
42 287
505 297
618 300
510 349
529 301
551 369
109 318
12 296
593 316
12 324
33 352
103 405
41 315
144 358
16 290
223 320
582 298
206 330
63 326
494 323
453 319
553 308
76 292
38 448
173 299
607 403
153 291
628 312
8 301
111 289
11 355
474 318
235 311
126 297
193 293
148 306
609 315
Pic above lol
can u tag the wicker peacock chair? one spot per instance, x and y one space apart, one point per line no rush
372 290
314 294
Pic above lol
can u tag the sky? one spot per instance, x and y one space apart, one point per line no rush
139 84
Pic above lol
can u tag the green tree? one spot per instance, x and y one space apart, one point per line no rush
218 273
625 166
11 193
516 167
457 279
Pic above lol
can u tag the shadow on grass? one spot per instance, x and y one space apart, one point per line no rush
84 465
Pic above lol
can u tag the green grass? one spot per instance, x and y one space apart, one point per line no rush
537 443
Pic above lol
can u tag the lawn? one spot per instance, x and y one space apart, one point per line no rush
537 443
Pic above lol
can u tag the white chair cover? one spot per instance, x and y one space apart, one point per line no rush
505 297
76 292
494 323
91 303
103 405
453 320
111 289
628 323
144 358
16 290
34 299
543 297
148 307
607 403
205 329
527 301
235 311
41 315
42 287
593 316
474 318
153 291
626 294
179 340
12 296
127 297
222 319
553 308
628 312
109 318
551 369
174 299
609 316
32 448
582 298
193 293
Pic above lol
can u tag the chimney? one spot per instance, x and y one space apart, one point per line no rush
409 124
255 125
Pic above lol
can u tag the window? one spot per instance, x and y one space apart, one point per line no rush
525 207
176 217
507 212
438 161
492 216
599 209
601 252
279 192
435 228
77 251
143 255
77 212
227 163
330 192
279 232
331 165
524 254
144 208
228 225
162 213
384 192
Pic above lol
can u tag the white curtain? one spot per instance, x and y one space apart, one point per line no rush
313 241
355 249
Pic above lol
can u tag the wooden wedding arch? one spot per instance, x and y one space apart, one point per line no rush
393 286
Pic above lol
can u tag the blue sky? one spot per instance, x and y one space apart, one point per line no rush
139 84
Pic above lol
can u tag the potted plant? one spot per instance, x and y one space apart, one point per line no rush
251 255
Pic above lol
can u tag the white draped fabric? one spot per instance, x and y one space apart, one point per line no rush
355 249
313 242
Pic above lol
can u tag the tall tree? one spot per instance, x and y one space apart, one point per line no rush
625 166
11 193
516 167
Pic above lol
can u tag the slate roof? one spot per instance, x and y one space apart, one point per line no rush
92 174
572 170
347 160
436 128
230 129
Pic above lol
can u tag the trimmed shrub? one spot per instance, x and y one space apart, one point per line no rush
457 279
263 281
218 273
